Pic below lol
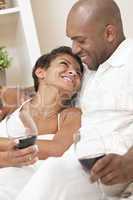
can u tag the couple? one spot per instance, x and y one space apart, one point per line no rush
106 102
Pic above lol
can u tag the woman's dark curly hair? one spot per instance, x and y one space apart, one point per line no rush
45 60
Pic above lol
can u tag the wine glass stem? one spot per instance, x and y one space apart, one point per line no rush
102 196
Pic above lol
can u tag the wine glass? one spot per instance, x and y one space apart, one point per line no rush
21 127
88 152
90 148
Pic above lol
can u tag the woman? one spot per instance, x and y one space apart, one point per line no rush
57 77
55 179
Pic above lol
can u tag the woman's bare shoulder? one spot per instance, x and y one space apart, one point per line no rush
72 110
70 113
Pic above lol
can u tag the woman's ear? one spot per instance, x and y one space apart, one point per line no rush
40 73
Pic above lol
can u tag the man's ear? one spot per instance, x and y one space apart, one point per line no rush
110 33
40 73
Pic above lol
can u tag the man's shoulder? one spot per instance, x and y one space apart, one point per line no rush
122 54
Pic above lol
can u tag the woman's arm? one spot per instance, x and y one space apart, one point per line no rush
69 124
4 144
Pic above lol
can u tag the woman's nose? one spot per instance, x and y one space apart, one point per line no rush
72 72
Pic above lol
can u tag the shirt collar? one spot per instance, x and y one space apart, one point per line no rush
120 56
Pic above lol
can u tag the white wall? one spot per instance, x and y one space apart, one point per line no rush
126 7
50 18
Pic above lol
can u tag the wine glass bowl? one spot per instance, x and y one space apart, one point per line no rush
90 148
88 162
89 151
21 127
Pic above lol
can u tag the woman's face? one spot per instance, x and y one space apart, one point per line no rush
64 73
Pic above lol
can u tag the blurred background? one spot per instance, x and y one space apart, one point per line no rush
50 19
29 28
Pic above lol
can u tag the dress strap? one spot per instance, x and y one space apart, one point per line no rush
19 109
58 121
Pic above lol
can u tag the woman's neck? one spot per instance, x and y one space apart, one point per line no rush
47 101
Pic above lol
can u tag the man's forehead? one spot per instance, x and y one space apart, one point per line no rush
78 25
78 31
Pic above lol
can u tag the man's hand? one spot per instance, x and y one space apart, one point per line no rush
18 157
113 169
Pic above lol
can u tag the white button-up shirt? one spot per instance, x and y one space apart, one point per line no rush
106 101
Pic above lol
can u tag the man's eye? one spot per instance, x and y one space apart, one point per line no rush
81 41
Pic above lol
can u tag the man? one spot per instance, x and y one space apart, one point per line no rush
96 31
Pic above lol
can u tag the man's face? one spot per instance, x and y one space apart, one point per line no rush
88 41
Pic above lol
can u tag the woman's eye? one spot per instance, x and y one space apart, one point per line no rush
64 63
79 73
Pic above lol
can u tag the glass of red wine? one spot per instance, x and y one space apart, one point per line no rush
88 152
21 127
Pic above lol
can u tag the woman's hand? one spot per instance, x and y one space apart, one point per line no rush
18 157
113 169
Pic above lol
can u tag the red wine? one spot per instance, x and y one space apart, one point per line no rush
26 141
87 163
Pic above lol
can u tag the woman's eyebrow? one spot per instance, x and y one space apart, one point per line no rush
64 59
68 62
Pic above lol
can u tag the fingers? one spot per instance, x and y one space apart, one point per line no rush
23 152
110 170
106 167
30 162
25 161
102 163
101 168
21 157
109 179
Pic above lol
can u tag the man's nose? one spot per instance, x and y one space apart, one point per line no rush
76 47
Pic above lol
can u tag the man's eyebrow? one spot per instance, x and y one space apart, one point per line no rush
76 37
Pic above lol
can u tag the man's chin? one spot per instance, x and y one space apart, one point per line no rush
91 67
89 64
